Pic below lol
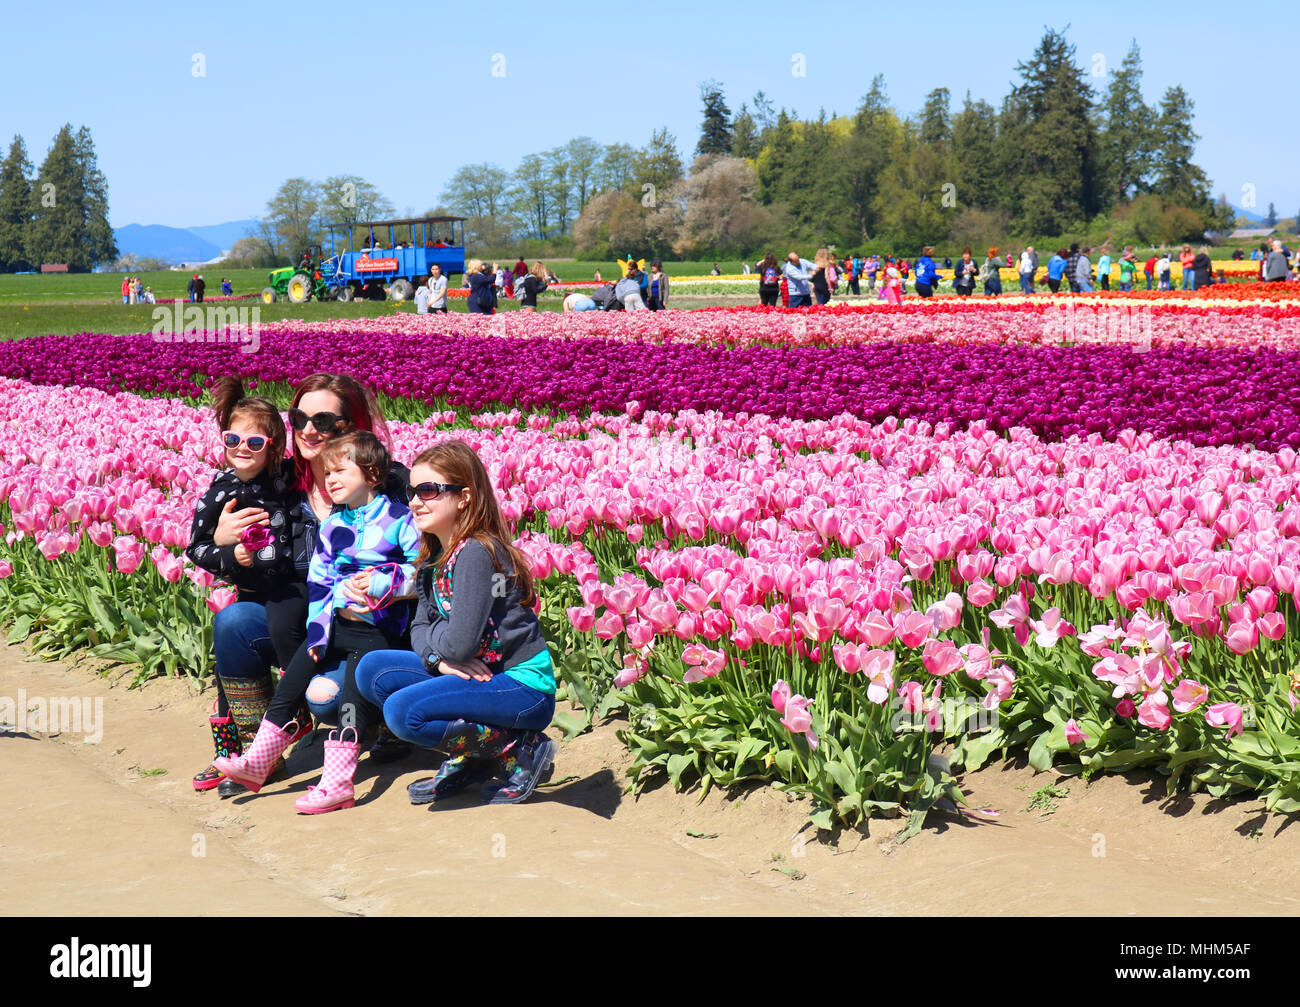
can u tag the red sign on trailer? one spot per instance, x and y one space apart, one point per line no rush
376 265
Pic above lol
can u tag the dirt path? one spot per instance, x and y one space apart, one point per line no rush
89 830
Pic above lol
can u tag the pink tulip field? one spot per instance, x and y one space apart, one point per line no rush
821 602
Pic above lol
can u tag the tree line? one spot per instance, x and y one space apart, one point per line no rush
60 213
1056 159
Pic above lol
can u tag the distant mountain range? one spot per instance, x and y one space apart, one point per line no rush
180 244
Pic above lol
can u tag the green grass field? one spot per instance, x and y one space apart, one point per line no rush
72 287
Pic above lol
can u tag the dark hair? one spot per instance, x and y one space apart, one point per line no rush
360 412
1074 246
364 449
230 403
481 520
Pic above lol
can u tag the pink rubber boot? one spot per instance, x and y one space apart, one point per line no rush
335 788
253 767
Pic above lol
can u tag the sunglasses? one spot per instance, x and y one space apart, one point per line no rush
394 571
325 423
431 491
256 442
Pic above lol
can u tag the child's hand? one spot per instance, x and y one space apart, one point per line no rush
355 588
242 556
315 653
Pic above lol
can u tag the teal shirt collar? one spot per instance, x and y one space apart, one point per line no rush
363 515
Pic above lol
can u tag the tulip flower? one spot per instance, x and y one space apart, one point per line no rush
1074 734
1227 715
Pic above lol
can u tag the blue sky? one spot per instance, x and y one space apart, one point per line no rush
403 101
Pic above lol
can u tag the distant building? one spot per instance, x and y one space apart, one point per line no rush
1251 233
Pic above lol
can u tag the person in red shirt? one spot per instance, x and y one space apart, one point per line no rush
126 290
1150 269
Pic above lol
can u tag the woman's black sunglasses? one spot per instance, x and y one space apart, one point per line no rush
325 423
431 491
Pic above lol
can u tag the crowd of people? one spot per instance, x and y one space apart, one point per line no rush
797 282
135 292
393 599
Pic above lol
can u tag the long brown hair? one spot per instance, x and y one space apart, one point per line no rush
481 519
230 403
360 412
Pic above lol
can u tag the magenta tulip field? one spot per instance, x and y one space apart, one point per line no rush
809 549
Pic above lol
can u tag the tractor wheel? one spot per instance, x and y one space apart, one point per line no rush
400 290
345 293
299 288
268 295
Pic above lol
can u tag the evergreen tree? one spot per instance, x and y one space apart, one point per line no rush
1224 218
1177 178
936 121
866 151
58 220
1126 139
764 115
975 154
1049 147
909 203
98 233
715 131
1270 218
15 207
745 140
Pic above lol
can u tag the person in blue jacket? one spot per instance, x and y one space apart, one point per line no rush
927 276
1056 270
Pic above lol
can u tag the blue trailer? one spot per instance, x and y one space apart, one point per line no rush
388 258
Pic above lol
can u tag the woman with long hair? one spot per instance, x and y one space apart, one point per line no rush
534 282
821 277
478 684
253 635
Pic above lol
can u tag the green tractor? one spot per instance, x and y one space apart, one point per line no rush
298 284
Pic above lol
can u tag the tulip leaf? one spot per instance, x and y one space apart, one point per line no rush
21 629
1040 753
571 726
677 765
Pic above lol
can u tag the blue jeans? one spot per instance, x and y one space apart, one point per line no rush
1189 281
1148 281
241 641
1126 286
1027 283
801 300
1085 285
419 707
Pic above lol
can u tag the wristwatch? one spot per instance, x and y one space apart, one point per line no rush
432 661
